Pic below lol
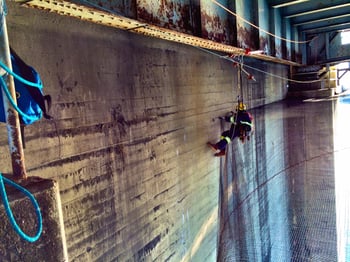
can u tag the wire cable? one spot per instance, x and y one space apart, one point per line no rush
258 70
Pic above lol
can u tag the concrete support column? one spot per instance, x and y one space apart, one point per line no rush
287 34
295 53
264 39
247 36
304 50
327 45
278 32
214 21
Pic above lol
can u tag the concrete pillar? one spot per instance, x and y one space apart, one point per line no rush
247 36
264 39
304 50
327 45
51 246
295 53
287 35
278 32
214 21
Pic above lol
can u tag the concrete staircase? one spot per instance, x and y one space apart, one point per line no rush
316 82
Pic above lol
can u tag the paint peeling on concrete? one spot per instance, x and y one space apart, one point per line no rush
174 14
264 45
247 38
214 22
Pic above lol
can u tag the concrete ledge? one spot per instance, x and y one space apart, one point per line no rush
51 245
318 93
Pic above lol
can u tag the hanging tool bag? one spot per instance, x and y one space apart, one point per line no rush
31 101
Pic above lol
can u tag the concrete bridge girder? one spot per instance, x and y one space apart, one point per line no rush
208 20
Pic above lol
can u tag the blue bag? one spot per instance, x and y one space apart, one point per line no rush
30 97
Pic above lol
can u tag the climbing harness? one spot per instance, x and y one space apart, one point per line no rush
4 180
9 213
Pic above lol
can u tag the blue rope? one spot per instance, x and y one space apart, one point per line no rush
9 213
9 97
8 70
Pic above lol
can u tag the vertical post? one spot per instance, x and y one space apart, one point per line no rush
12 119
240 79
327 40
304 47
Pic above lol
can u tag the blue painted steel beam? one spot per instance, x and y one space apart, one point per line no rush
310 6
330 20
324 24
344 12
325 29
284 3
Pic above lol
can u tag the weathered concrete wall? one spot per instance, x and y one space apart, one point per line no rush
127 145
278 188
177 15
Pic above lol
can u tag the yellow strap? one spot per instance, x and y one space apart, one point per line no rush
228 139
246 123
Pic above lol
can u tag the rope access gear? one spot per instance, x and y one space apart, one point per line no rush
9 213
228 139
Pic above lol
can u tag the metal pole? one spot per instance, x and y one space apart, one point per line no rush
240 80
12 119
